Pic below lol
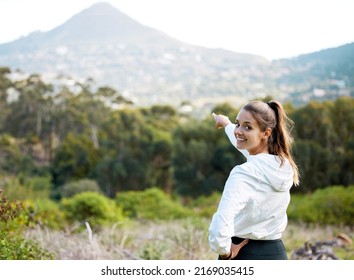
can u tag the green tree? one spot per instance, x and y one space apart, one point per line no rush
324 143
342 115
135 152
313 122
75 159
314 164
5 85
203 158
30 114
16 158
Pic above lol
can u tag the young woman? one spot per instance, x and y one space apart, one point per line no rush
251 215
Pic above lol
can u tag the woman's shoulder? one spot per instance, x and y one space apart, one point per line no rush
262 164
244 168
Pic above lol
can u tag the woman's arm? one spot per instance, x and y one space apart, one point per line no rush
234 198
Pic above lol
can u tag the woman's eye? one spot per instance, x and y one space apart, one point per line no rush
246 127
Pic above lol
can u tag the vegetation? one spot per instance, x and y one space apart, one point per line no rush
151 204
332 205
91 207
55 138
13 246
154 225
82 161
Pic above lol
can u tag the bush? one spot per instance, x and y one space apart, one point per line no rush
206 206
12 245
332 205
22 187
151 204
9 211
44 212
84 185
94 208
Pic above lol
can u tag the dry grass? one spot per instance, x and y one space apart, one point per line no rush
134 240
174 240
297 234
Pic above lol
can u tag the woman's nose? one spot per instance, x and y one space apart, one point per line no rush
237 131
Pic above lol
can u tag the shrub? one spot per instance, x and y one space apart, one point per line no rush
12 245
9 211
40 184
22 187
151 204
94 208
332 205
44 212
206 206
83 185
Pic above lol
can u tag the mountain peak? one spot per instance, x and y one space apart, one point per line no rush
101 22
102 5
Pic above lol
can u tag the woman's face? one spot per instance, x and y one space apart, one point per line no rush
248 134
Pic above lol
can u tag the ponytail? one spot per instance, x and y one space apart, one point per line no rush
272 115
280 143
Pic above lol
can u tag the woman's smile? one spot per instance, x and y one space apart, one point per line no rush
240 140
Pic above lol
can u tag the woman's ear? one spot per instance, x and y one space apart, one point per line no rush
267 133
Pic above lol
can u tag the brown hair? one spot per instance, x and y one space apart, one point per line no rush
272 115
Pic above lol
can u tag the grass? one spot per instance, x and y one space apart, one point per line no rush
168 240
297 234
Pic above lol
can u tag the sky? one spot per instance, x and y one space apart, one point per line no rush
270 28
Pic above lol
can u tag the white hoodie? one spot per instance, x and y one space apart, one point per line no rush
254 201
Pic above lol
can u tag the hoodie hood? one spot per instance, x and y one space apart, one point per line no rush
268 168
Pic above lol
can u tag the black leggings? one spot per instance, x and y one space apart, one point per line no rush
261 250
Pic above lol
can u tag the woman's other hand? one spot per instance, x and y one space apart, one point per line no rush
235 248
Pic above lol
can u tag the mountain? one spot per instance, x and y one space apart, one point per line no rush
147 66
144 64
321 75
337 63
100 23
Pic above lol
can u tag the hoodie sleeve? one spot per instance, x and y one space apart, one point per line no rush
230 132
233 200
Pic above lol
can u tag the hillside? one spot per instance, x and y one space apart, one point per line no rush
321 75
148 67
145 64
